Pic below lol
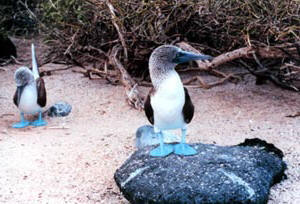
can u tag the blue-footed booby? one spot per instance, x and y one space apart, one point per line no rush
30 96
168 104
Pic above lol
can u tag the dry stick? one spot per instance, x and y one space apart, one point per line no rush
49 72
6 62
6 114
291 66
15 60
87 72
131 87
271 77
217 61
146 84
277 52
294 115
268 75
221 59
114 21
11 59
72 42
90 47
208 66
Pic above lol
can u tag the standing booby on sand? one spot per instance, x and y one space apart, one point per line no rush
168 104
30 96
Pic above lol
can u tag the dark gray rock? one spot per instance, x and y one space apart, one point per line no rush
60 109
145 136
230 174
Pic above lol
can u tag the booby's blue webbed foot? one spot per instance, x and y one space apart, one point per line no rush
39 121
21 124
184 149
162 150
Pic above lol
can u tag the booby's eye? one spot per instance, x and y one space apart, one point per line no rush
179 54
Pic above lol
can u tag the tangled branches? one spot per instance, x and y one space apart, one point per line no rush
261 35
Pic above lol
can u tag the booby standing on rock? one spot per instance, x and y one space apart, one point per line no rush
168 104
30 96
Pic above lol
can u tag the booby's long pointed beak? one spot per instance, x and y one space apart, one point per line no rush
184 56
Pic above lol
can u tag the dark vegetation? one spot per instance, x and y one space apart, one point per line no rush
117 37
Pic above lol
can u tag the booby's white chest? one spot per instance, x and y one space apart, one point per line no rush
167 103
28 101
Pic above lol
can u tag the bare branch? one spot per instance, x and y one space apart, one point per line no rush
114 21
219 60
131 87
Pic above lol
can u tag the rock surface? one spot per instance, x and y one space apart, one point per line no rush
60 109
230 174
145 136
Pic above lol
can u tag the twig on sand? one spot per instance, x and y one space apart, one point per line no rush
15 60
6 114
49 72
58 127
293 115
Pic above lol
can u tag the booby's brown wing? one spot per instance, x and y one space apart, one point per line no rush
188 108
41 92
148 108
16 101
17 95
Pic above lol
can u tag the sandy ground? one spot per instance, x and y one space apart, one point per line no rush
73 159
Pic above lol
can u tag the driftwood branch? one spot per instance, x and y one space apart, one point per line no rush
262 74
131 87
219 60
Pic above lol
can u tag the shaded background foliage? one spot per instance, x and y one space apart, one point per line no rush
84 31
17 19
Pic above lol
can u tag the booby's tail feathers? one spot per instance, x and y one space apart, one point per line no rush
35 69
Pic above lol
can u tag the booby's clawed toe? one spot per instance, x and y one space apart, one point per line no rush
21 124
184 149
162 151
39 122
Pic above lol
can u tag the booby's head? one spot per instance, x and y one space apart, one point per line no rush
167 56
23 76
164 59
